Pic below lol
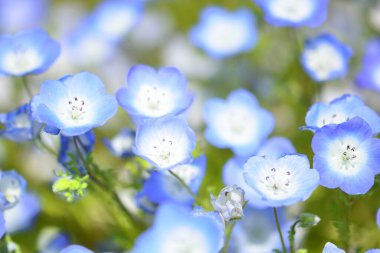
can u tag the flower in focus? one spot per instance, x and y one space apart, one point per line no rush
369 75
347 156
162 187
222 33
165 142
341 110
283 181
12 188
76 249
324 58
27 52
229 203
294 13
238 123
152 94
176 229
18 125
74 104
121 144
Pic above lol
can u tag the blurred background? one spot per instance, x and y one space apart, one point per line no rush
157 34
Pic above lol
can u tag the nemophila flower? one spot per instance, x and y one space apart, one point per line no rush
176 229
341 110
12 188
369 75
373 251
238 123
2 225
52 240
257 232
165 142
68 150
332 248
22 216
27 52
346 156
74 104
294 13
162 187
222 33
121 144
113 19
152 94
283 181
18 125
325 58
76 249
230 202
274 147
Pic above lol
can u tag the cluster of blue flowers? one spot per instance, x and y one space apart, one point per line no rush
265 174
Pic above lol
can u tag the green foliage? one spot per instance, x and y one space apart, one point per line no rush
70 186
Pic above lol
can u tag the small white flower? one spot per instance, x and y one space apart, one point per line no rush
230 202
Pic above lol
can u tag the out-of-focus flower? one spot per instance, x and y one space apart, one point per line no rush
369 75
341 110
347 156
76 249
294 13
121 144
230 202
18 125
21 216
165 142
74 104
27 52
332 248
17 15
2 224
222 33
12 188
163 187
324 58
238 123
283 181
176 229
52 240
276 147
152 94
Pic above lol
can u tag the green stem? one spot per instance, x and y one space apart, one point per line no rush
26 87
105 188
229 229
292 233
279 230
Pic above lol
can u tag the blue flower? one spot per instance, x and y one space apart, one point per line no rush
2 225
369 75
222 33
162 187
74 104
27 52
340 110
294 13
121 144
86 145
176 229
22 216
325 58
347 156
52 240
238 123
283 181
152 94
18 125
76 249
332 248
165 142
274 147
12 188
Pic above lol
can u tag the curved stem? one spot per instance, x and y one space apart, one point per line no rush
279 230
292 233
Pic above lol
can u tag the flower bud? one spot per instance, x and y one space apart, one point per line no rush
308 220
229 202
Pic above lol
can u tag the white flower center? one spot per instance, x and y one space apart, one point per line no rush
332 118
154 101
323 60
21 60
122 143
11 189
293 10
277 183
164 151
185 240
75 109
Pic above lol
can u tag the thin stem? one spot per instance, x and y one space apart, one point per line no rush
229 230
279 230
26 87
292 233
104 187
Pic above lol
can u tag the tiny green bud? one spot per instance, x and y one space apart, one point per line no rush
308 220
301 251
